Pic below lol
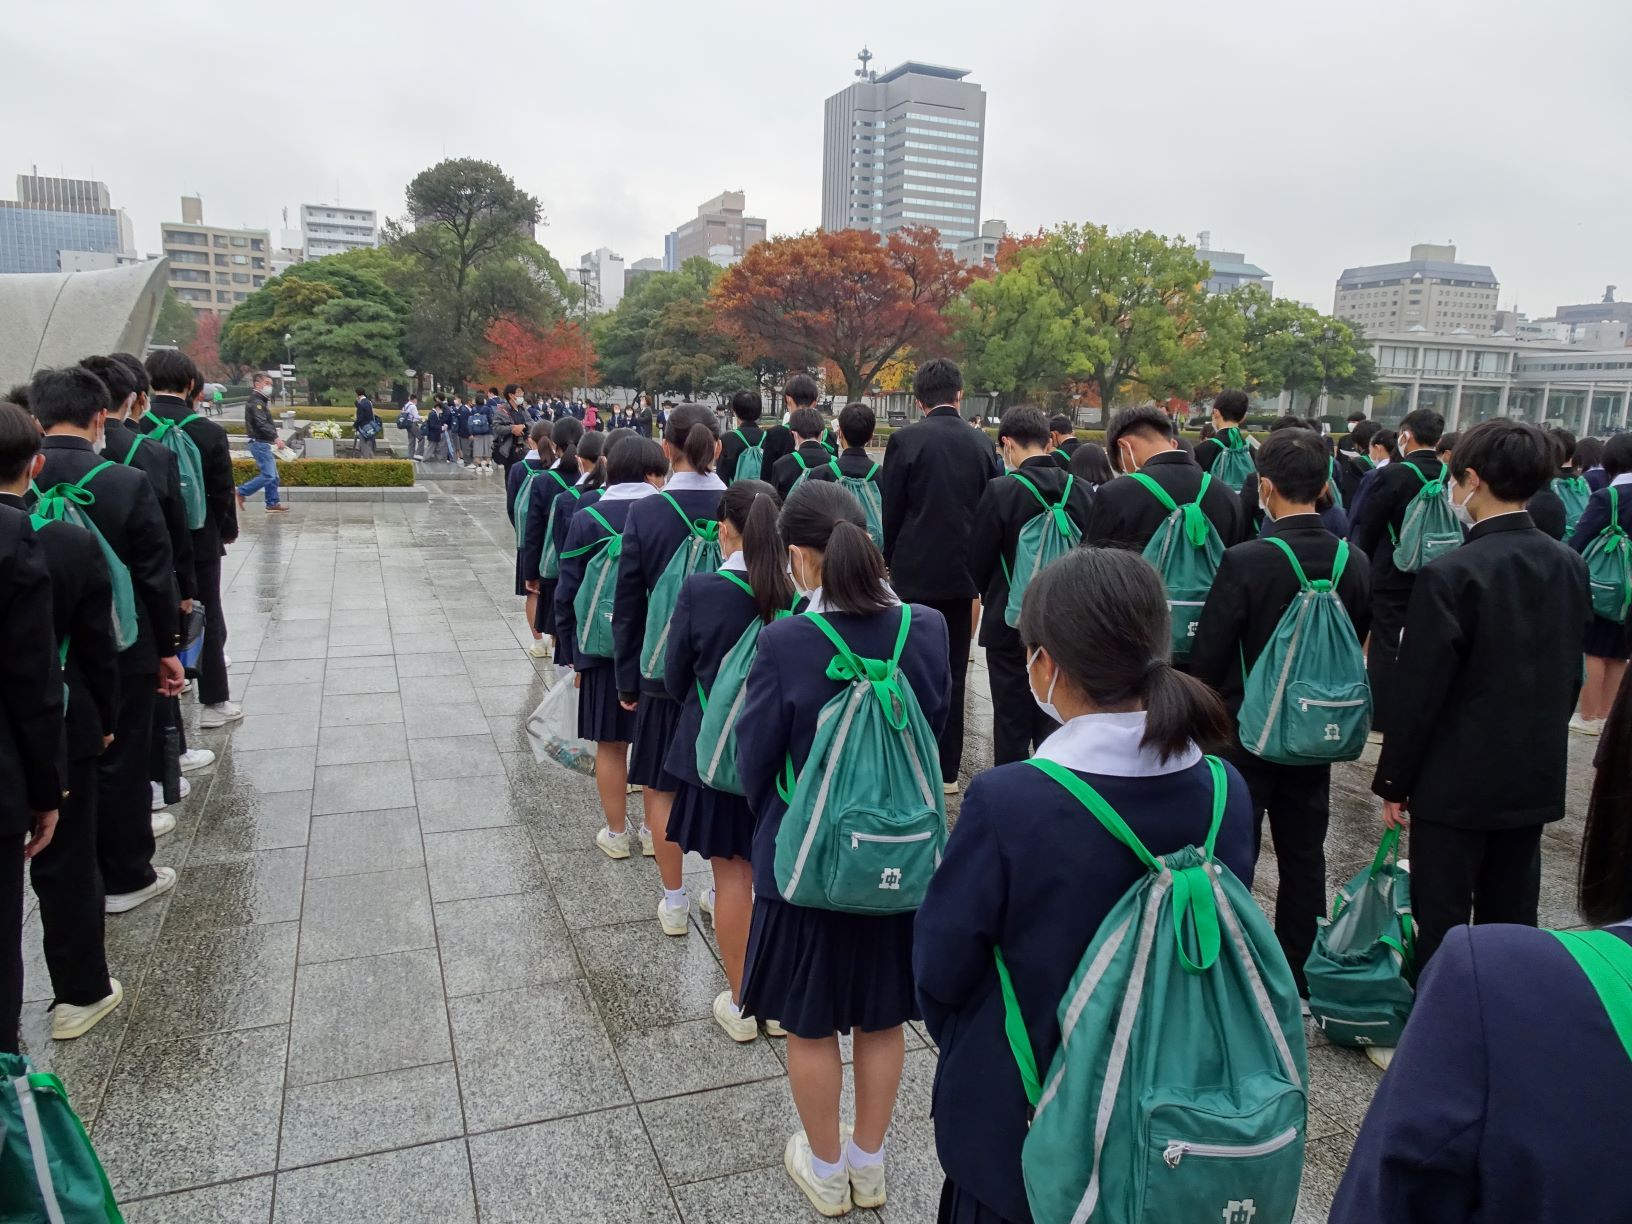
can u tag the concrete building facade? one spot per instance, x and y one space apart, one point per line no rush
327 229
1607 310
720 232
905 148
605 278
54 217
212 267
1431 290
982 248
1229 269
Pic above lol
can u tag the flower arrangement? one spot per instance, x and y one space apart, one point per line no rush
326 429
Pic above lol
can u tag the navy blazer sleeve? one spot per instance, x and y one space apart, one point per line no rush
680 657
1431 647
30 678
1368 520
512 486
152 568
958 925
892 482
95 652
629 608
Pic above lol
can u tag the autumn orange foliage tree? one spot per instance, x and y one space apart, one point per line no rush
538 357
205 348
847 296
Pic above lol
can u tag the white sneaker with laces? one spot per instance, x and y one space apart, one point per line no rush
158 796
829 1195
774 1029
196 758
728 1015
646 846
163 822
675 920
867 1182
950 788
70 1020
119 903
613 845
706 904
220 715
1586 726
540 649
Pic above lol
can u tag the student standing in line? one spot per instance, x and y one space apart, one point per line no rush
1091 466
1378 516
1255 585
935 471
1489 669
822 972
1125 513
801 391
774 443
1354 461
519 479
1607 643
560 477
1229 410
1507 1101
1332 516
635 473
1005 509
805 425
711 615
1589 461
1066 442
590 453
656 530
1380 453
1546 508
856 427
1029 871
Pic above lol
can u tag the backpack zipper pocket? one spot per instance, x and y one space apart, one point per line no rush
857 838
1178 1150
1305 702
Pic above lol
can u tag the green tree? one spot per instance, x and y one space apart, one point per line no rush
349 343
176 324
1015 334
682 348
254 332
724 381
621 335
1287 346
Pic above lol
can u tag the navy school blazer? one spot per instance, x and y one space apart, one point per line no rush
512 486
1030 870
653 535
544 492
585 529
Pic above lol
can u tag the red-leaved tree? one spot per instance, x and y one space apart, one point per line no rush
205 348
540 358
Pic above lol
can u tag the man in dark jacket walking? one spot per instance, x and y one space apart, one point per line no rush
263 436
364 422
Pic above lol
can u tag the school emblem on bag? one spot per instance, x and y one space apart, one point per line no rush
1334 733
890 878
1239 1211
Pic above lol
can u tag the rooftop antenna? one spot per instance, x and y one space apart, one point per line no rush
865 73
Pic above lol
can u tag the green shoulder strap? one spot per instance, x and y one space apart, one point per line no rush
731 577
740 438
134 443
1195 520
1230 438
1014 1028
800 460
705 529
1156 491
872 472
882 674
191 416
833 466
1195 910
1057 509
1421 475
1606 959
559 479
161 426
612 534
1339 562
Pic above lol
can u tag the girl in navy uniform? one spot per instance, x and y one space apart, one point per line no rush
564 437
1607 643
656 531
821 972
710 616
1029 870
635 473
539 456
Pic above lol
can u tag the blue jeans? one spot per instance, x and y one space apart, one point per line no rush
267 477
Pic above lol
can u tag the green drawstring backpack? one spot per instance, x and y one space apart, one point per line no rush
1046 537
717 734
189 463
592 604
1609 566
1186 551
48 1169
549 561
698 553
1429 528
752 460
66 503
1235 464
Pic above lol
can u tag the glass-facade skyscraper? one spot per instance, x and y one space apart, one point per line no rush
51 215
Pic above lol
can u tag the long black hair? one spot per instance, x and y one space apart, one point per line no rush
592 447
1101 614
566 434
694 431
1089 462
825 516
634 459
750 506
1604 882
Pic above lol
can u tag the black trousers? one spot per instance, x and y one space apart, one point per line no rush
959 614
212 663
11 940
69 885
124 802
1018 725
1297 801
1493 876
1383 653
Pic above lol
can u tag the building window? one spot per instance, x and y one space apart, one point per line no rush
240 278
220 261
221 295
220 240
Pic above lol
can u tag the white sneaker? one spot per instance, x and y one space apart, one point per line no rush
706 904
158 796
774 1029
829 1195
676 921
866 1184
1382 1057
1303 1006
738 1027
220 715
226 659
1586 726
950 788
646 847
540 649
1374 737
118 903
163 822
70 1020
613 845
196 758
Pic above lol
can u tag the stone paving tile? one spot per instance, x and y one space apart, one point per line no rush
421 1185
355 744
761 1196
216 981
641 977
498 943
729 1130
379 1013
481 863
356 843
366 915
262 887
468 802
366 787
240 1202
452 757
369 1113
695 1056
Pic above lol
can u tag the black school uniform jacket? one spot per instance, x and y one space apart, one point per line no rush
1004 510
1209 449
1127 515
163 471
30 681
220 489
935 471
585 529
1065 451
788 686
1546 508
852 461
127 514
1254 587
1029 870
552 484
1380 512
1489 670
785 473
81 594
651 537
777 443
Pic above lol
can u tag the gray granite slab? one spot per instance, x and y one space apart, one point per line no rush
357 1017
369 1113
498 943
418 1185
356 843
217 980
695 1056
642 978
366 915
360 742
239 1202
261 887
482 863
365 787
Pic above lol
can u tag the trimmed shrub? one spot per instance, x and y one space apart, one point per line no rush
334 473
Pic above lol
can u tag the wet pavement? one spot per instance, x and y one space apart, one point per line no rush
396 982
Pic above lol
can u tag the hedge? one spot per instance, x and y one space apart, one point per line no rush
883 433
334 473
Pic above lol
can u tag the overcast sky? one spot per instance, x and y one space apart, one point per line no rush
1310 136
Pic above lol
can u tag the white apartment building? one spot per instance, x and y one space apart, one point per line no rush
601 271
1430 290
329 229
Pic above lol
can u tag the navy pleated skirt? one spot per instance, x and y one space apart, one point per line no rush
544 615
959 1207
819 972
600 717
1607 640
711 823
521 583
655 725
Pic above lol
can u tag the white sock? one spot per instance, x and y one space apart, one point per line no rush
736 1009
676 898
823 1170
858 1159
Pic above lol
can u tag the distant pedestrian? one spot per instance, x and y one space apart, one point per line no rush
479 421
510 433
645 418
263 437
410 420
363 425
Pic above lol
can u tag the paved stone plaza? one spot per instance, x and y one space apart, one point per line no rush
397 983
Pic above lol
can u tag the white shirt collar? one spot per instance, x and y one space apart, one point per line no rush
735 561
1109 744
1623 478
818 604
628 492
682 481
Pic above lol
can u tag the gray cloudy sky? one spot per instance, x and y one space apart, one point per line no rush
1309 135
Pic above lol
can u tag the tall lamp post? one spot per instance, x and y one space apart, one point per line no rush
583 277
289 355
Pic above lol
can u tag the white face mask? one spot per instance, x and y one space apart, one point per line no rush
1460 508
1128 465
1045 704
1263 502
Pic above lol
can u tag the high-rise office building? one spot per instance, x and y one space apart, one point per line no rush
213 268
327 229
719 232
601 272
1430 291
905 148
54 216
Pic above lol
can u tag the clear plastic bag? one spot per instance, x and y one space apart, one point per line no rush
552 729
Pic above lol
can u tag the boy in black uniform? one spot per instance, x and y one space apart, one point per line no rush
65 874
1065 440
856 426
1018 725
1374 526
774 443
1229 410
1125 513
806 424
1255 585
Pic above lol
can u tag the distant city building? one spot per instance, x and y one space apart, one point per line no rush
327 229
719 223
51 216
93 261
212 267
1603 334
1230 269
1430 291
1605 310
1541 331
639 271
605 279
982 249
291 249
905 148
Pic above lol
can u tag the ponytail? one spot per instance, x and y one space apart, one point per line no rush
1180 710
592 449
694 431
824 515
566 434
751 507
